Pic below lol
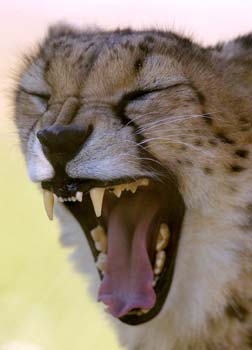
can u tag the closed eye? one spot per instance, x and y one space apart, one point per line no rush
38 99
119 109
41 95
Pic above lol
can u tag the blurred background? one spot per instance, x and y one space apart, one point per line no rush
43 302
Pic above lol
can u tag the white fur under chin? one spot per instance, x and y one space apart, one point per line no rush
205 263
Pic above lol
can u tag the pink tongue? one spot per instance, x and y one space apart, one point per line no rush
127 282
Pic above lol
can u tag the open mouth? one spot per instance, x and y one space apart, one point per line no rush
133 229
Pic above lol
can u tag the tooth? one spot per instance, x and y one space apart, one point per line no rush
132 187
143 182
160 261
117 191
79 196
101 262
48 203
157 270
97 195
163 237
99 236
145 311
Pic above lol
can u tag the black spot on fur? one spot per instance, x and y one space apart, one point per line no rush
247 225
221 136
245 128
80 59
243 119
47 67
131 48
242 153
200 95
237 311
188 162
198 142
185 42
149 39
236 168
212 142
144 47
208 171
138 65
55 45
249 338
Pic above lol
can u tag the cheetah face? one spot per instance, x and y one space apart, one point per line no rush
101 119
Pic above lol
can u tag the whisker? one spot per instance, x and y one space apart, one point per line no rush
172 141
168 121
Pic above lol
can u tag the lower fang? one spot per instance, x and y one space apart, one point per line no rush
100 238
48 203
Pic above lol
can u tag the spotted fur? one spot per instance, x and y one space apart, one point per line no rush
195 120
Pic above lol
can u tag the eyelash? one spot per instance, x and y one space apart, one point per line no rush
45 97
42 96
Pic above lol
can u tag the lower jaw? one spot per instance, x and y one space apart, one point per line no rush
84 214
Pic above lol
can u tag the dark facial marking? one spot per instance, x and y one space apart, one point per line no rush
149 39
245 128
188 162
236 168
198 142
242 153
138 65
144 48
200 95
212 142
247 225
237 311
208 118
249 339
208 171
221 136
243 120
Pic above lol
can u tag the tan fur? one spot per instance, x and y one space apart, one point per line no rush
198 125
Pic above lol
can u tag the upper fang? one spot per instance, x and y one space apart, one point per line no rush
48 203
96 195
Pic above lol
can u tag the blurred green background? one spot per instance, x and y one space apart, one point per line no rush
43 302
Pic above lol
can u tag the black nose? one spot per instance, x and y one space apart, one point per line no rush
61 139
